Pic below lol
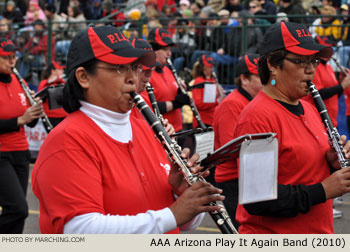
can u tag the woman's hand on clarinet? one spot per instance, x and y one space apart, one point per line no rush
195 200
32 113
345 82
337 184
168 127
176 178
332 156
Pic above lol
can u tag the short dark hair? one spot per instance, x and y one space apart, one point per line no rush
72 91
274 58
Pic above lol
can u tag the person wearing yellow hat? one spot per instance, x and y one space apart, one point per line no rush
343 46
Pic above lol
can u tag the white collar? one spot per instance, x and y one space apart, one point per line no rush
116 125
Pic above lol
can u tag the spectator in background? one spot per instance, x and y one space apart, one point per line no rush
328 26
196 9
216 4
254 36
135 27
269 6
13 13
226 21
343 45
292 7
256 9
95 10
233 5
34 12
6 30
185 41
154 15
58 24
184 5
75 19
37 47
108 9
214 40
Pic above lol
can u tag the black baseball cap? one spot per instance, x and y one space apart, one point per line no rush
248 64
159 37
107 44
143 44
207 60
294 38
7 47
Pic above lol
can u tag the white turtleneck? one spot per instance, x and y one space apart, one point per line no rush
114 124
118 126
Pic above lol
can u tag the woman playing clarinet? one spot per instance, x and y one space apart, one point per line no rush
308 169
15 112
166 87
101 170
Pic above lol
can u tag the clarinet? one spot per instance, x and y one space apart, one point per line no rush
46 121
192 104
332 132
153 100
221 218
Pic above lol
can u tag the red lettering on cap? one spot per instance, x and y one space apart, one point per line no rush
5 43
307 34
299 33
111 38
121 38
256 61
116 38
165 34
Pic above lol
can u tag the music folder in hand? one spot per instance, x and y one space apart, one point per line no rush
54 93
231 149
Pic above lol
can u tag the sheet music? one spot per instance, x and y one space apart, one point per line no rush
209 93
258 170
204 144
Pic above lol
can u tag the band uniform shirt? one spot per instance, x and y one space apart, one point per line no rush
165 89
225 120
81 170
205 110
303 145
325 78
54 113
13 103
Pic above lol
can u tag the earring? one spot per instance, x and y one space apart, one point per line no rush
273 81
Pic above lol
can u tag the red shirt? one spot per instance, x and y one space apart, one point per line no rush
80 169
325 78
165 89
225 120
205 110
54 113
13 103
302 148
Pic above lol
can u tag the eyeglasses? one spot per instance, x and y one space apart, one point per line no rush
9 57
252 7
304 63
123 69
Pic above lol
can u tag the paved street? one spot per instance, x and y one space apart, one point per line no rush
341 226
